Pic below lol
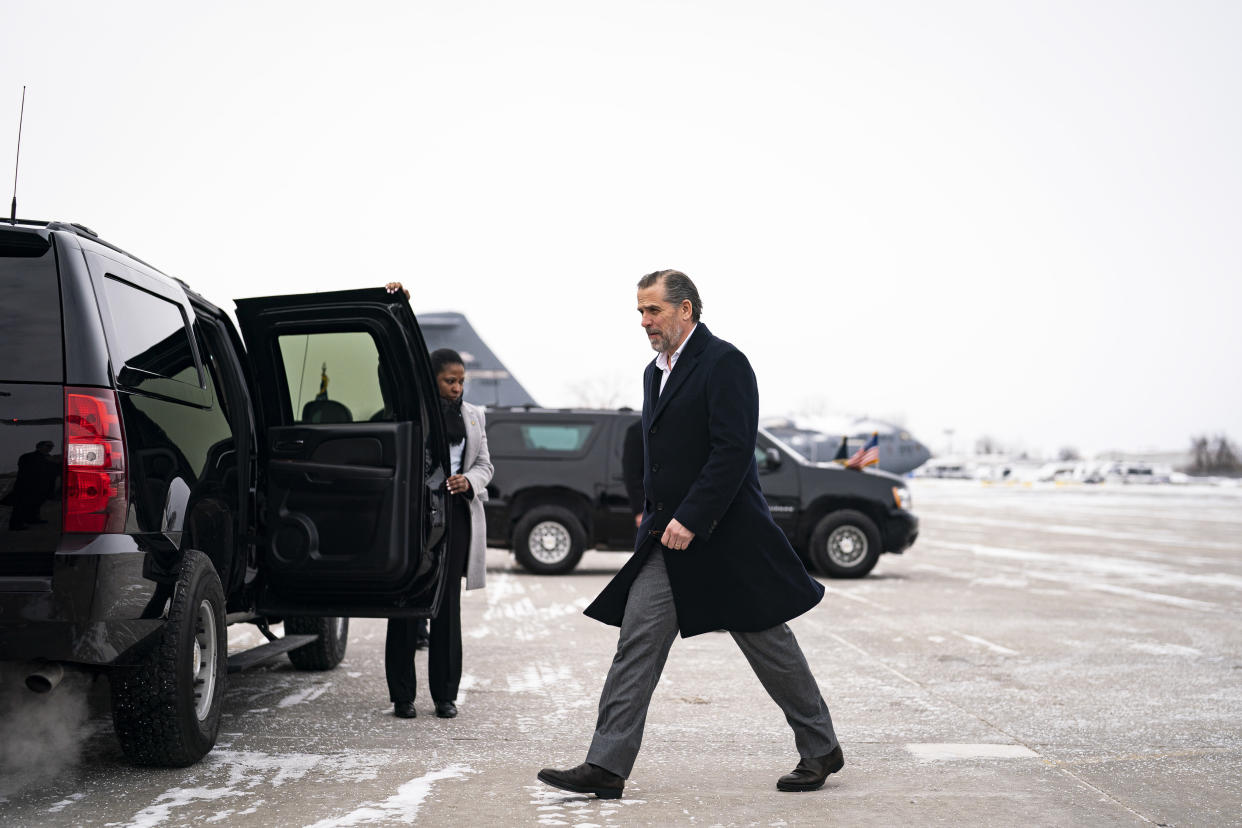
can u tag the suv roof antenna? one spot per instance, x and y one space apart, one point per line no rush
20 117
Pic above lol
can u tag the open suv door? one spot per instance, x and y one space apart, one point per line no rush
354 461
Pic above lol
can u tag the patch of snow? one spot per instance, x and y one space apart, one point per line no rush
305 695
65 803
983 642
932 752
538 678
401 807
1165 649
849 596
1176 540
162 808
1087 566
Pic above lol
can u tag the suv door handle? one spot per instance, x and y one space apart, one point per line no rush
289 445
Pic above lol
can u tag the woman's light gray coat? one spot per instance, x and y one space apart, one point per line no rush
477 468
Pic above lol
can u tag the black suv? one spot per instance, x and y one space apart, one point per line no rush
560 487
159 480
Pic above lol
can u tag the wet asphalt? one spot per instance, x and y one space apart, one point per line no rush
1044 655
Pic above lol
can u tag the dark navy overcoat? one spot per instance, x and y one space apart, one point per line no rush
739 573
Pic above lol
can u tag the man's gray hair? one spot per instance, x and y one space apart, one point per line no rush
677 289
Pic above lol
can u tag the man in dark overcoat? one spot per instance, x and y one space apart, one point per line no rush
707 555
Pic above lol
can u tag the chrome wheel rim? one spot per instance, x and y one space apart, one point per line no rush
203 659
549 542
847 546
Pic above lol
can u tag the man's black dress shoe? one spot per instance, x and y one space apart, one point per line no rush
811 773
404 710
446 710
585 779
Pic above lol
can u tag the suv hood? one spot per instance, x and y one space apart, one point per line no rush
834 479
893 479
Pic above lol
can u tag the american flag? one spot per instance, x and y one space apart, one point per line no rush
868 455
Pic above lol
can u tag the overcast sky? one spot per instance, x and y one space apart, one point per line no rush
1013 219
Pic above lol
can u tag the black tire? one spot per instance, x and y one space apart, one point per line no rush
325 653
166 711
549 540
845 544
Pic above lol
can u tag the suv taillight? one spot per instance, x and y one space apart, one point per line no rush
94 473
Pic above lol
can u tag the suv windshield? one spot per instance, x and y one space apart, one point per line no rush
785 447
31 348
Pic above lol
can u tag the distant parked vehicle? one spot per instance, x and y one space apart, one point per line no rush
559 490
1130 473
1060 472
946 467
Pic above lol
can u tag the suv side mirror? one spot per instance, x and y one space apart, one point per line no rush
771 459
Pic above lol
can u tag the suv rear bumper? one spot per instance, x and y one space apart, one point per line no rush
900 531
98 608
97 643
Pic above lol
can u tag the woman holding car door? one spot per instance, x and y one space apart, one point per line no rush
470 469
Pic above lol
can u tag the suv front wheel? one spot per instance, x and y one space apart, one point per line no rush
549 540
166 711
845 544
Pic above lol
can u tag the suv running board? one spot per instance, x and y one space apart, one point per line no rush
266 652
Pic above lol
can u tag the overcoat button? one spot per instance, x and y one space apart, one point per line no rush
653 429
655 467
659 507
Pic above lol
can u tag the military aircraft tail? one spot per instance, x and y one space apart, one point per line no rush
488 382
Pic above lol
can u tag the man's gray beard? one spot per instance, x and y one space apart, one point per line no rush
669 340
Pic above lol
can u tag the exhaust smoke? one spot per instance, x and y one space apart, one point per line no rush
41 733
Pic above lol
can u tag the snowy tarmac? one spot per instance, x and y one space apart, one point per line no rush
1042 656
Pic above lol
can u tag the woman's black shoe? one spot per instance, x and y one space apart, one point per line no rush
404 710
446 710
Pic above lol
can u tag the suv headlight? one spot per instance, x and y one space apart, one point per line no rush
901 496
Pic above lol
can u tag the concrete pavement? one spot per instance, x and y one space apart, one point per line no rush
1043 655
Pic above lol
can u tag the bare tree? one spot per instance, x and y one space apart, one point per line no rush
1068 454
1226 456
602 391
1201 455
1214 455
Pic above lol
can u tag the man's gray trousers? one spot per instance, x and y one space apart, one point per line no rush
647 633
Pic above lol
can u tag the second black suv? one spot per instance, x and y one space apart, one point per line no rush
560 488
160 480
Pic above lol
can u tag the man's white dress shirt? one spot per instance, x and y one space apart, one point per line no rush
666 364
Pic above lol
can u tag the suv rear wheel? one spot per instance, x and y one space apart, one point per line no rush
549 540
325 653
845 544
167 710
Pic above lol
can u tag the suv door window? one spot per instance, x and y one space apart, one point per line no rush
30 346
334 377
